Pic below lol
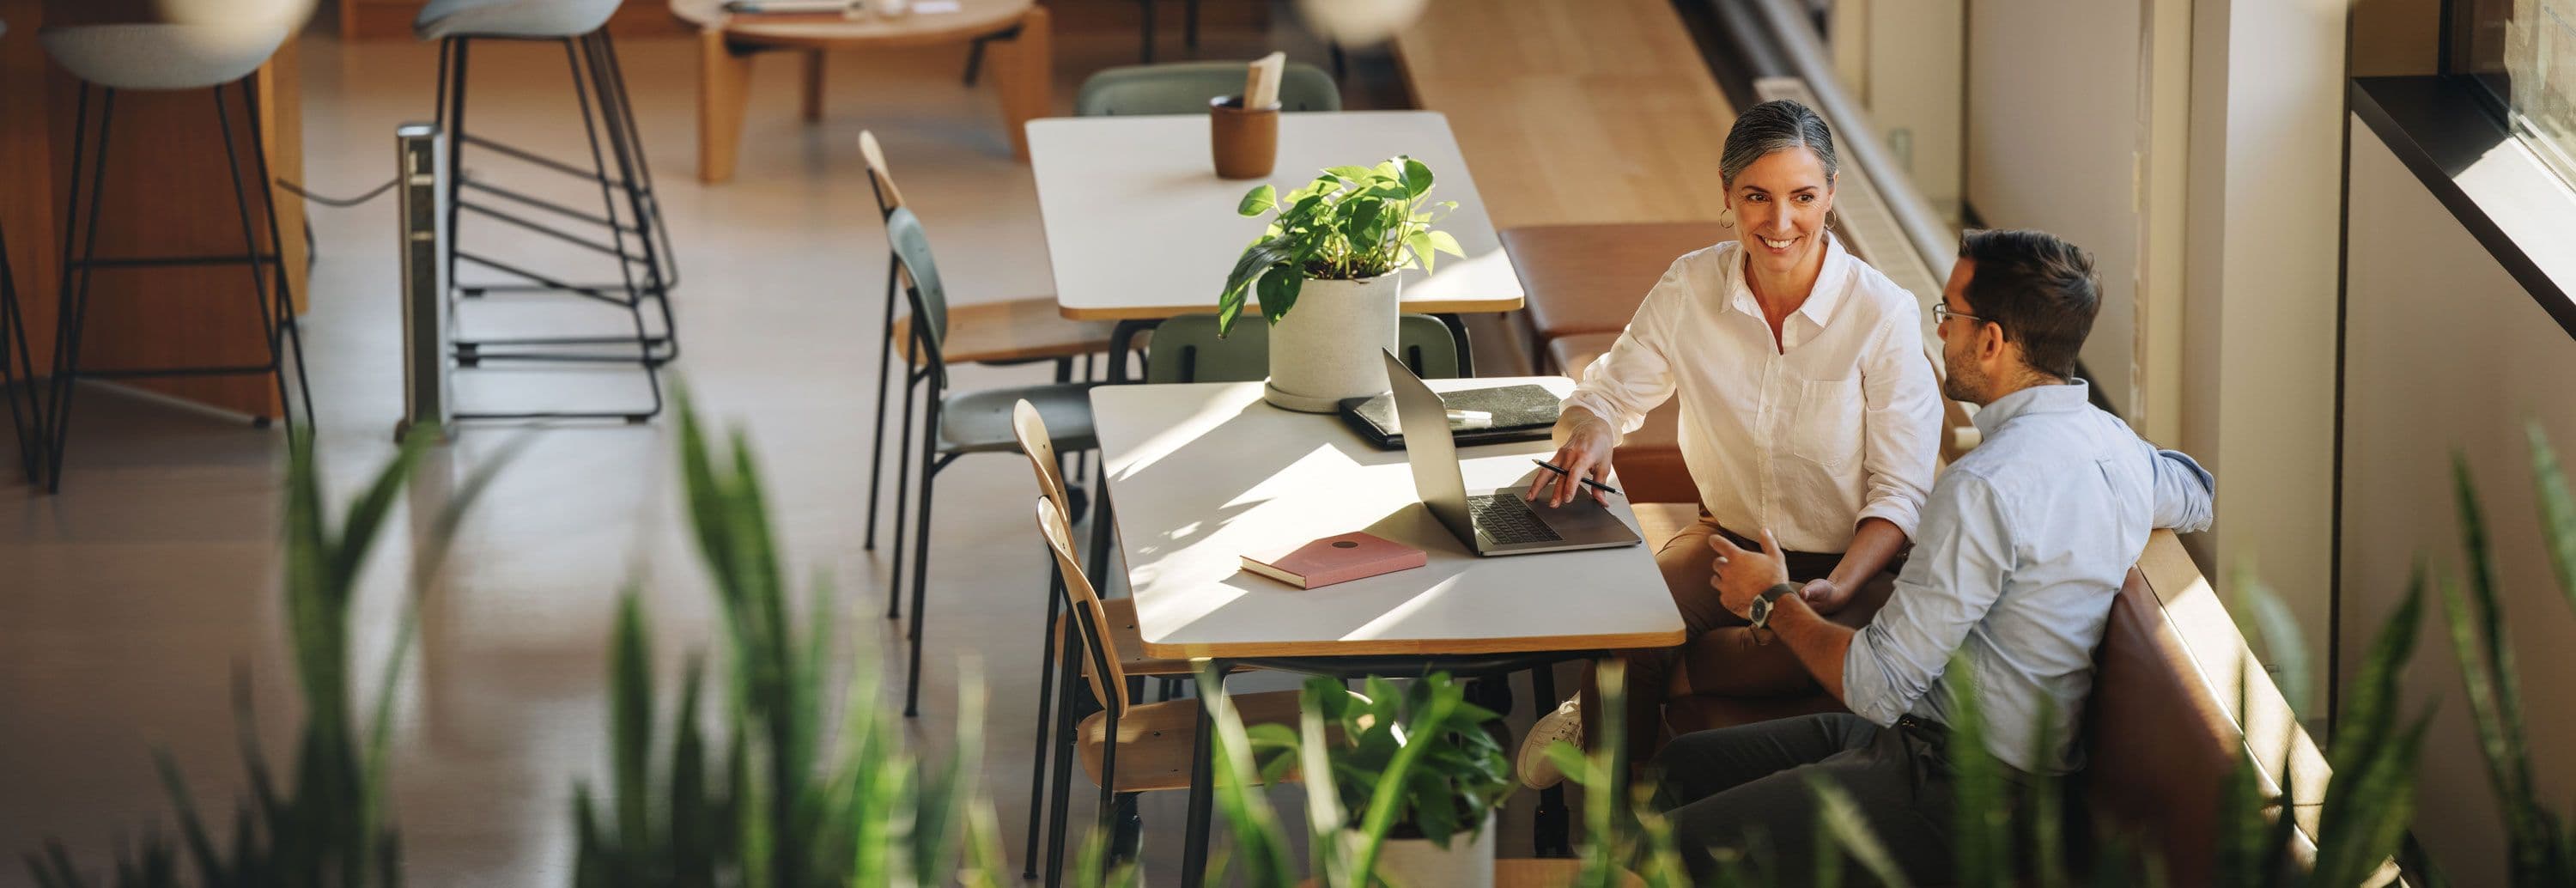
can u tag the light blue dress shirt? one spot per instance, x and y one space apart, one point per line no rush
2023 544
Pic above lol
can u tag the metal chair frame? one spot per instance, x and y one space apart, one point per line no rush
636 235
924 335
888 200
26 422
80 257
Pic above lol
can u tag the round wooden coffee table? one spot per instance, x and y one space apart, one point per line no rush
1018 32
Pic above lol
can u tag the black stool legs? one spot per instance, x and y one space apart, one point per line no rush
630 220
80 256
17 369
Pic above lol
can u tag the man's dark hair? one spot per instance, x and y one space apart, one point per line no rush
2041 289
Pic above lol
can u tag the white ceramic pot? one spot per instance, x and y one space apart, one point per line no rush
1326 347
1466 863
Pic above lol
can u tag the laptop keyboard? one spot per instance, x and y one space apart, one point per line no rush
1508 520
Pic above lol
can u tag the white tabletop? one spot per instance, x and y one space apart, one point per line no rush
1201 475
1139 226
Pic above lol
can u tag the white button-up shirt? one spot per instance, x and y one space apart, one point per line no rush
1837 423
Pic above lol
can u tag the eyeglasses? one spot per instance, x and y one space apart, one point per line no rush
1942 314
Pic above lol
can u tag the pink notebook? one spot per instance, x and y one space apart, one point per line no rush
1337 559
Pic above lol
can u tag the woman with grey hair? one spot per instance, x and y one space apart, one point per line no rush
1809 417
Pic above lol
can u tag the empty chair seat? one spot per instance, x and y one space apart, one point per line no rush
1011 332
1187 87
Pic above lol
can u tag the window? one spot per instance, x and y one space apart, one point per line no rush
2524 52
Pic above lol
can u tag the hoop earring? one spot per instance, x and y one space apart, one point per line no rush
1726 218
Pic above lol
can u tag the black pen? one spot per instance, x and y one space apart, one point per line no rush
1544 464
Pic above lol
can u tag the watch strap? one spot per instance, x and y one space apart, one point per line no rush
1763 601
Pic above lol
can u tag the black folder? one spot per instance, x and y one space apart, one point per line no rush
1521 413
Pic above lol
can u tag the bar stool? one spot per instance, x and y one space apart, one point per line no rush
200 45
15 365
629 229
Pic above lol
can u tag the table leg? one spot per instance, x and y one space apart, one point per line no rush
1202 786
1024 72
1458 331
1552 829
724 85
1122 339
813 86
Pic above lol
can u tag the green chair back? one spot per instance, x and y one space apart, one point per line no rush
929 299
1187 87
1186 349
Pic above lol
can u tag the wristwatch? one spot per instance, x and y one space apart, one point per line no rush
1760 612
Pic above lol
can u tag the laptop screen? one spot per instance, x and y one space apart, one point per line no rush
1427 446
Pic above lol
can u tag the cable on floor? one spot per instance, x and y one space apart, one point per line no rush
378 191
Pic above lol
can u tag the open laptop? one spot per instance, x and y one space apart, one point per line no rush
1494 522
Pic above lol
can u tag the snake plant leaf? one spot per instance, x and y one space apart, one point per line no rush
201 847
1316 707
1248 813
2557 514
1849 828
367 513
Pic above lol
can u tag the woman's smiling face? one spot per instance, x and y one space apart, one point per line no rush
1780 201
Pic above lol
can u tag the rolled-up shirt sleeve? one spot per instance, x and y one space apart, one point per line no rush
1636 375
1953 577
2184 491
1901 436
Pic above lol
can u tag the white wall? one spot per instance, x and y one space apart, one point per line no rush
2056 120
2261 238
2447 353
1914 61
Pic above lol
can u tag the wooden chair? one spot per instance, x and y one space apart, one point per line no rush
1128 747
1030 427
1017 331
1186 349
954 423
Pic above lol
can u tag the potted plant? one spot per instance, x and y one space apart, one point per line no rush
1417 774
1334 247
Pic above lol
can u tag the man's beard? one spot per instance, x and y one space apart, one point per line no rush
1962 382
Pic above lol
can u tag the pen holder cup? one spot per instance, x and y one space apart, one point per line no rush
1245 142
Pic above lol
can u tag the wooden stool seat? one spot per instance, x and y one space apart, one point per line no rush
1649 460
1155 739
1019 330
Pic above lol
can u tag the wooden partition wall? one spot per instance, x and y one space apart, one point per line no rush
166 195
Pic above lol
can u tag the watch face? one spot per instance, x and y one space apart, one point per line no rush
1761 611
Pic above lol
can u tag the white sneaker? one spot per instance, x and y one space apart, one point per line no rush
1566 724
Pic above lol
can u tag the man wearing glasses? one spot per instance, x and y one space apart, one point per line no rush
2022 546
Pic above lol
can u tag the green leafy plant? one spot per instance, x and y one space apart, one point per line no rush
1351 223
331 825
2540 846
1405 762
1457 770
777 810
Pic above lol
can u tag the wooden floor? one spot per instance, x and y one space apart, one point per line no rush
1598 111
129 602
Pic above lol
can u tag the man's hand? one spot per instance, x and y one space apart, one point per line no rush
1742 574
1824 596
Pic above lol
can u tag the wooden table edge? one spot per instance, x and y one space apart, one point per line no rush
1431 647
1162 313
754 40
